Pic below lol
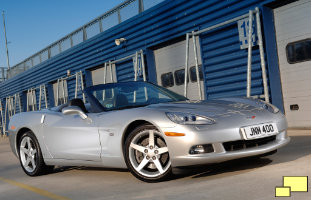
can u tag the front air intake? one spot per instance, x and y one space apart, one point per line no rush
244 144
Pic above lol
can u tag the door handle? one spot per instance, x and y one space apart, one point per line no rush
42 118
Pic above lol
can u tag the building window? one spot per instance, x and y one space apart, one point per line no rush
180 77
193 75
298 51
167 79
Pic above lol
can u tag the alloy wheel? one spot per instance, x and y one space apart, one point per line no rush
28 154
148 154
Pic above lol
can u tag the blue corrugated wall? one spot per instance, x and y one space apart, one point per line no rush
125 70
224 63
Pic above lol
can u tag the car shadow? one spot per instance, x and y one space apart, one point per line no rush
300 146
223 169
59 169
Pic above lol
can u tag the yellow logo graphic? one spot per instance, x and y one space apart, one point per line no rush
292 184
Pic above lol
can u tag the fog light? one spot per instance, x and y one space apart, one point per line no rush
202 148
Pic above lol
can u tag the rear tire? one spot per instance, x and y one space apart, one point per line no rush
146 154
30 156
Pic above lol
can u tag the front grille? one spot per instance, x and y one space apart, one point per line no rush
243 144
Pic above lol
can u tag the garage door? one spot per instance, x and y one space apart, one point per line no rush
293 34
99 74
170 68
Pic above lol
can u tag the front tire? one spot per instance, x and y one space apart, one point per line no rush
146 154
30 156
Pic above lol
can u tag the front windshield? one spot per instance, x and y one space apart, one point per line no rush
118 96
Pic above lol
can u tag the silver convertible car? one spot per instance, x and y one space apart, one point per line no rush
146 128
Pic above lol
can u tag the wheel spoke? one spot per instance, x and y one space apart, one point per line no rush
24 150
158 165
151 138
142 164
28 143
33 151
28 159
33 162
138 147
162 150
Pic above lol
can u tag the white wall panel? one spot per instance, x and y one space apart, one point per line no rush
99 74
293 23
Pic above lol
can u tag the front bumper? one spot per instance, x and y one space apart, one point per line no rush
179 146
221 155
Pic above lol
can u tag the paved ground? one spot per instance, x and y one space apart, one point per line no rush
242 179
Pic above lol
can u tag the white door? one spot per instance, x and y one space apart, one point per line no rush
293 35
170 68
60 91
70 137
99 74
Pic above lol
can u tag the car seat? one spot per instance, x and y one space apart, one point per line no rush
79 103
120 100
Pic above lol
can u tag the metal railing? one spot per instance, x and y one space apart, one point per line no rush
2 122
3 74
62 90
250 17
111 18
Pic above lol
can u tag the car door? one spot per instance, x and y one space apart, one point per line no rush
71 137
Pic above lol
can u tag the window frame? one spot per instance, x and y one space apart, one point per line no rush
294 50
183 82
200 67
171 75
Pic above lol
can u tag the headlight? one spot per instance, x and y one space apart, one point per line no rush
186 118
270 107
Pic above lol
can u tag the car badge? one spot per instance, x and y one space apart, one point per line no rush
251 117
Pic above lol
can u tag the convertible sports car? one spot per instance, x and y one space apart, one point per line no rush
145 128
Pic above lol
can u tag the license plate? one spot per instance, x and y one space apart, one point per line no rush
260 130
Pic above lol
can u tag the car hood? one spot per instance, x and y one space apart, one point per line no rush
212 108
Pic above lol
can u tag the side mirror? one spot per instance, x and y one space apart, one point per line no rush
74 110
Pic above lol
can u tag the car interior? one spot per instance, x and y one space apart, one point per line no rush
79 103
74 102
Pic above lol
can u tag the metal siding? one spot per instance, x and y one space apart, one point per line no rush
37 98
161 23
71 86
272 58
125 70
225 64
151 69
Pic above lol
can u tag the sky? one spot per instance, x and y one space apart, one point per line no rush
32 25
